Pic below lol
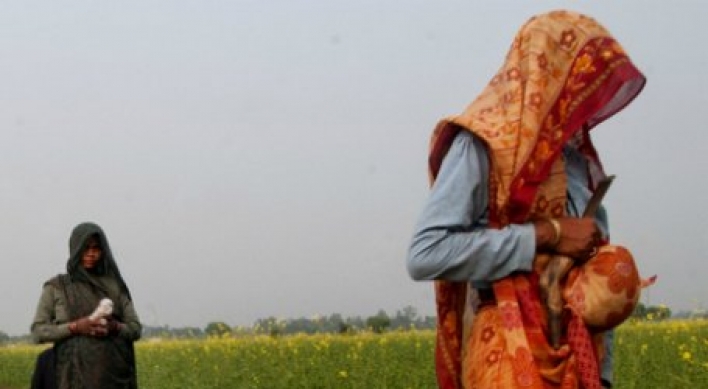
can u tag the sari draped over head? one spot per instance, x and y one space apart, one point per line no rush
87 362
563 75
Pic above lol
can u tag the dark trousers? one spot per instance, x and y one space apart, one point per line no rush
44 376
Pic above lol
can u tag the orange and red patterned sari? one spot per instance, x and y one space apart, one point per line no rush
563 75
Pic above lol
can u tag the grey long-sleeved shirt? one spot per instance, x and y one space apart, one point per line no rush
451 239
51 320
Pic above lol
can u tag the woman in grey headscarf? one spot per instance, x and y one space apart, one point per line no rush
90 353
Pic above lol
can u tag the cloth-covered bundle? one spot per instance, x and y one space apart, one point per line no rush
606 289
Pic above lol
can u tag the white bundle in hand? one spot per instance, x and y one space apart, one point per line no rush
103 310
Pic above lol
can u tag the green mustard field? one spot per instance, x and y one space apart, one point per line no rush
668 354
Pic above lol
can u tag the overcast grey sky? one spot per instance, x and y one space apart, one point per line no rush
268 158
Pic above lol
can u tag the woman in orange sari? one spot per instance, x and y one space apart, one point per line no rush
511 176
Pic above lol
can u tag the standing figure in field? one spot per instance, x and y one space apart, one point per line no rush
88 314
511 177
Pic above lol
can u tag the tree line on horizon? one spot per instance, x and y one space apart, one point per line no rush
404 319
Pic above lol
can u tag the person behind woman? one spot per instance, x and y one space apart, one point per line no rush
511 177
89 353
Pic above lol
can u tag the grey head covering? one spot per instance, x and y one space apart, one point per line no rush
105 267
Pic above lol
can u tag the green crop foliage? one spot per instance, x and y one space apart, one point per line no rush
666 354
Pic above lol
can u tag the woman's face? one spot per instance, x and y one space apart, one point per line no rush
92 254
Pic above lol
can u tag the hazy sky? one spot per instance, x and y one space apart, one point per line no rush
268 158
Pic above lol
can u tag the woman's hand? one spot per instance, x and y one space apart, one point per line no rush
577 238
88 327
114 326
